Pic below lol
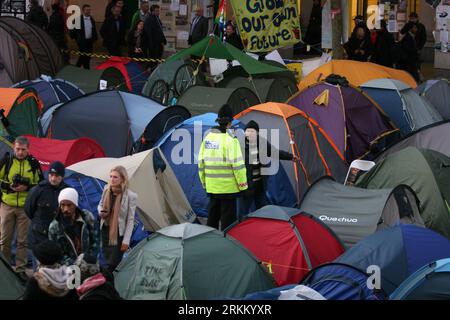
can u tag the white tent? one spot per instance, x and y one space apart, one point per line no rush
161 201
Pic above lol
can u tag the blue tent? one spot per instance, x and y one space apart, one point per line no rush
188 136
407 110
52 91
398 251
337 281
279 190
431 282
114 119
90 192
138 76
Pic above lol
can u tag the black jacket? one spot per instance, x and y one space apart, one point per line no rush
56 28
131 43
79 35
153 30
354 47
421 36
408 52
41 207
383 50
38 17
199 32
282 155
113 37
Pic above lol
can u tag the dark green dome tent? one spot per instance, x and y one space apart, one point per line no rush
190 261
26 52
199 100
268 90
427 172
11 287
90 80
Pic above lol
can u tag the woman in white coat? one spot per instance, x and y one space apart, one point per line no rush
116 209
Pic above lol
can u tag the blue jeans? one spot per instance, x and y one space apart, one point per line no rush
245 204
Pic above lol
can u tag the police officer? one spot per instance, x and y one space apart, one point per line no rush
222 170
19 172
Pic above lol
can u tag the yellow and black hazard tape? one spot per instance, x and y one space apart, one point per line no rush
105 56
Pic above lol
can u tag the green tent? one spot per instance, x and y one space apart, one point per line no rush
213 47
165 71
189 261
11 287
89 80
199 100
427 172
21 107
268 90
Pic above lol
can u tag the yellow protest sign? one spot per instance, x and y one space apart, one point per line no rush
265 25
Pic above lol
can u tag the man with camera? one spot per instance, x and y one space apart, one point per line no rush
19 172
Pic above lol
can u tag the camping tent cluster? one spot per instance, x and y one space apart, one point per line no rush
318 235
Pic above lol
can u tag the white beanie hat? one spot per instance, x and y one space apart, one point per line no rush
68 194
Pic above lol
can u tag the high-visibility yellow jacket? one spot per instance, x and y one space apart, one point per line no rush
221 166
25 169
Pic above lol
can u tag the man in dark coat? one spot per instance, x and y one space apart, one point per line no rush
359 46
199 27
409 55
254 158
85 36
56 28
36 15
232 37
154 31
384 45
41 205
113 32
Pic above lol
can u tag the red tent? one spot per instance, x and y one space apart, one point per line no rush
290 243
66 151
135 75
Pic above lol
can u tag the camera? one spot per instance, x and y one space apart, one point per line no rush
19 180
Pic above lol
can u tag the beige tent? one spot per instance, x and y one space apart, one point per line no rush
160 198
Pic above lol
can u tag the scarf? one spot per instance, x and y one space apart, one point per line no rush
113 210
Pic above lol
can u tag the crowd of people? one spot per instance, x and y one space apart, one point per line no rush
142 34
379 46
46 218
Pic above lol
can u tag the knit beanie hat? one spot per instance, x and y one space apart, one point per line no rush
225 114
57 168
252 125
69 194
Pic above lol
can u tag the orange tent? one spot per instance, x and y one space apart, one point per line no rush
356 73
290 129
21 108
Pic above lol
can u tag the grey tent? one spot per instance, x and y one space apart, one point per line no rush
434 137
11 287
406 109
26 52
354 213
90 80
116 120
437 92
268 90
199 100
